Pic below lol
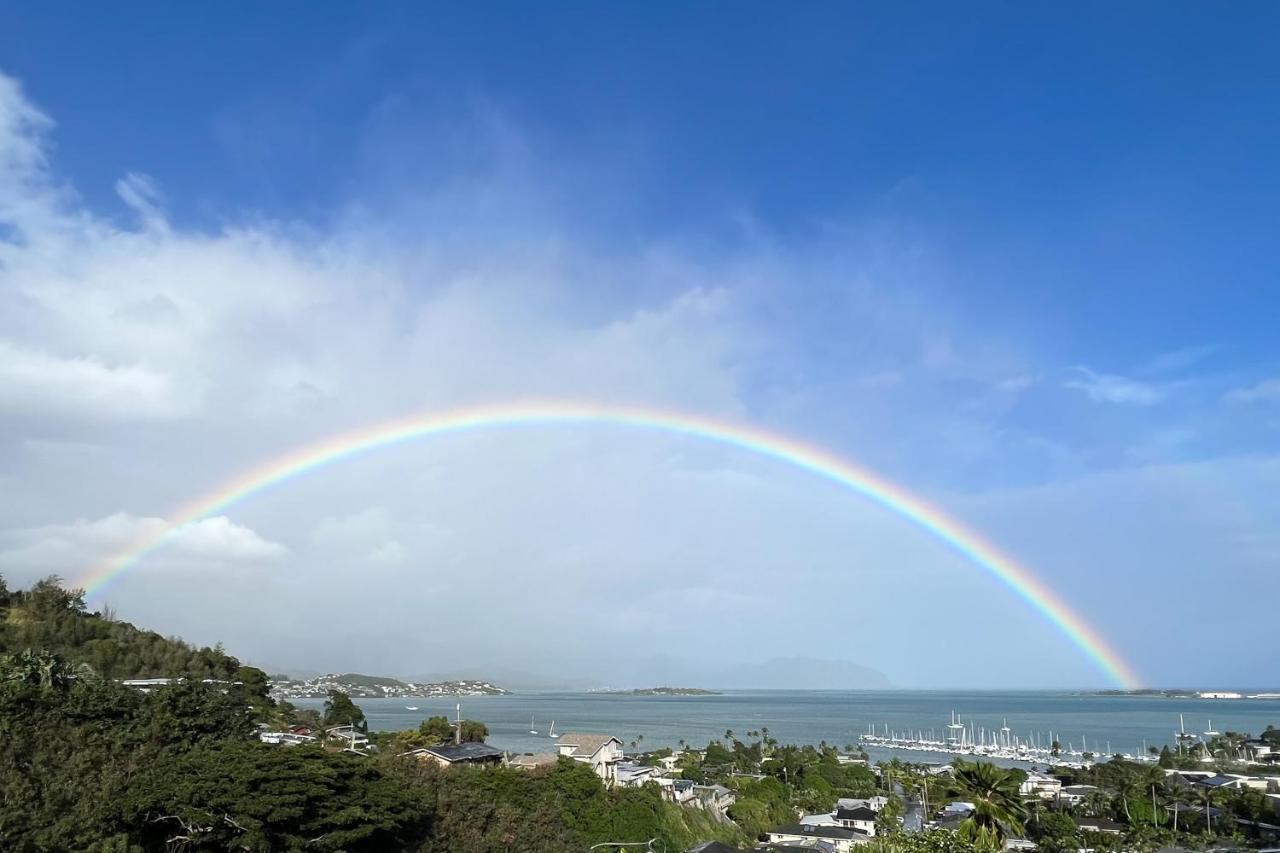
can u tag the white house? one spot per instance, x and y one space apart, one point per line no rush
839 839
629 775
1040 785
861 819
602 752
715 797
678 791
1074 795
875 803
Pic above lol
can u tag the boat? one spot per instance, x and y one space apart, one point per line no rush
551 733
411 707
532 730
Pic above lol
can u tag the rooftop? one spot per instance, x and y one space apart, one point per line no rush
463 751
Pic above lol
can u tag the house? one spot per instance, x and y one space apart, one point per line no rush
350 735
1187 778
715 797
1194 810
1074 795
627 774
533 761
449 754
824 819
714 847
862 819
840 839
602 752
678 791
669 762
1040 785
875 803
1100 824
146 685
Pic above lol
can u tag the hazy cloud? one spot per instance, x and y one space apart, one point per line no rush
69 548
1111 388
1264 391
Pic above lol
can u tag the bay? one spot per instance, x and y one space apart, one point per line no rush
1107 724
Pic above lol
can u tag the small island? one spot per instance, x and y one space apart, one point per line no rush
663 691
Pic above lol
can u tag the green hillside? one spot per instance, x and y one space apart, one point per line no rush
368 680
55 620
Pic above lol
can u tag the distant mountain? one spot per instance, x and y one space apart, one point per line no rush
800 673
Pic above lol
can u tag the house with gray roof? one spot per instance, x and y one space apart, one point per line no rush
602 752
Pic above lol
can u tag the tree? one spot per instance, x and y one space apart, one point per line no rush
255 797
1055 832
474 731
339 710
998 809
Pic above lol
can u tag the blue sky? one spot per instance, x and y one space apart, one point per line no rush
1020 259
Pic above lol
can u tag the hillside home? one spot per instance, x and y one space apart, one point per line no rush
1040 785
1074 795
716 798
627 774
839 839
602 752
534 761
450 754
862 819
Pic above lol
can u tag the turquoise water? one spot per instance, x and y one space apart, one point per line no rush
837 717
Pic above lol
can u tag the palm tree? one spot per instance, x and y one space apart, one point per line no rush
728 735
998 810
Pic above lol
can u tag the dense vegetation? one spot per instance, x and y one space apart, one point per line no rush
53 619
89 764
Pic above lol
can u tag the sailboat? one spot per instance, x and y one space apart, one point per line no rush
532 730
551 733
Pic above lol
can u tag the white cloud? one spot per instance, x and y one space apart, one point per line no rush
33 381
1111 388
1264 391
73 548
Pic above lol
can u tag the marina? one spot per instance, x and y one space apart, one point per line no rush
1002 744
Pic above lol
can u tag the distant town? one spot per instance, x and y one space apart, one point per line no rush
376 687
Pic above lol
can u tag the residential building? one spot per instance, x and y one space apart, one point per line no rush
534 761
862 819
1100 824
678 791
715 797
1074 795
628 774
602 752
823 819
449 754
1040 785
875 803
350 736
840 839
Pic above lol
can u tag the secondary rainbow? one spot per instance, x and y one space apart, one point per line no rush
510 415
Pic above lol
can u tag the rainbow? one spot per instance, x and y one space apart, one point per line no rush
807 457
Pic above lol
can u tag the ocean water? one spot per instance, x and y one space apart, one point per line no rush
1107 724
